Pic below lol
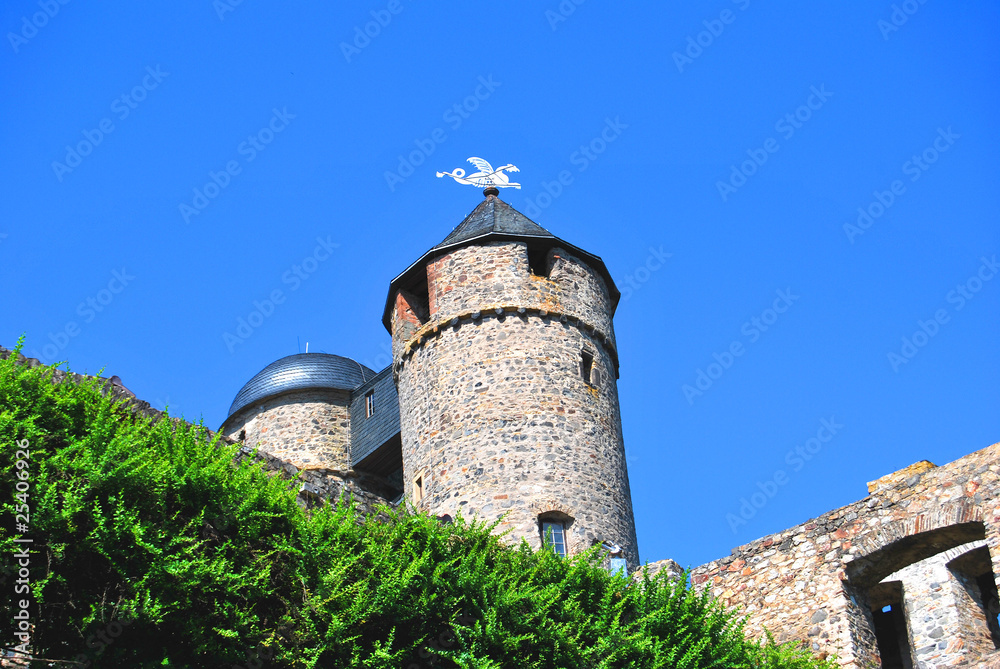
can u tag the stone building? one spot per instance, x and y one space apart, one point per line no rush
501 400
904 578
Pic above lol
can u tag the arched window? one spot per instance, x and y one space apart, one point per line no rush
552 526
554 536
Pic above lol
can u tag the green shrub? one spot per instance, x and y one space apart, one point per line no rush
153 549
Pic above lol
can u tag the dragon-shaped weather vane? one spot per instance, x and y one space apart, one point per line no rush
488 178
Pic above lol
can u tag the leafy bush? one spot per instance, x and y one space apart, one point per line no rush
153 549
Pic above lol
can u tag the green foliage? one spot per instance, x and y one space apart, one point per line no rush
152 549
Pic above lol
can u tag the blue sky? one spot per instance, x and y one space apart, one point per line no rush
739 139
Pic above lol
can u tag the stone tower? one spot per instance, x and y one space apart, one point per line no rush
298 409
506 368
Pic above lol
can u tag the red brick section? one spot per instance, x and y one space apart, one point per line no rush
405 310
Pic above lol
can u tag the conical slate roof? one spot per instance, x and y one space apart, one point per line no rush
493 216
492 220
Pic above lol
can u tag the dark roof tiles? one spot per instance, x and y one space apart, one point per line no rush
300 372
493 216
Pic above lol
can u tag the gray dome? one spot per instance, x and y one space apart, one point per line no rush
299 372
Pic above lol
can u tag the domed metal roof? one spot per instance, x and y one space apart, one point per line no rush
299 372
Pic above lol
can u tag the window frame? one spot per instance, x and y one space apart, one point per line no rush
545 524
587 358
418 489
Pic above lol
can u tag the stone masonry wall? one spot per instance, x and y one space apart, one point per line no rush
810 582
944 622
308 428
497 274
495 414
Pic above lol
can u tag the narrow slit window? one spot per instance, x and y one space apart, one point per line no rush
418 489
586 366
554 536
370 403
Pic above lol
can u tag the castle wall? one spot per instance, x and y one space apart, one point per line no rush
946 621
495 415
308 428
811 582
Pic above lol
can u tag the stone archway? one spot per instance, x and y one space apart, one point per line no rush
926 543
912 539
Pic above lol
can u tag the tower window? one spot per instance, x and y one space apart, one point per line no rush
538 261
554 536
418 489
370 403
587 366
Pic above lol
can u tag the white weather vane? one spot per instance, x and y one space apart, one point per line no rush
486 177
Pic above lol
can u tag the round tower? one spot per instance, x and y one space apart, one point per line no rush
298 409
506 367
